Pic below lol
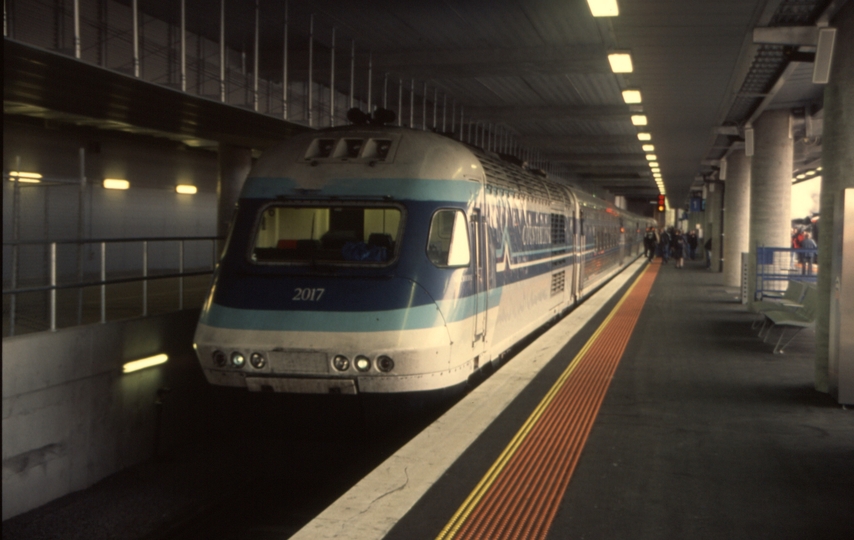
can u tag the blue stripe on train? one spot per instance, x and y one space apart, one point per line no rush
412 318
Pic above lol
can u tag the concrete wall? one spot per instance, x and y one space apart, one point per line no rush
71 417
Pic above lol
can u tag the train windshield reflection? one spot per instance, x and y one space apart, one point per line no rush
345 234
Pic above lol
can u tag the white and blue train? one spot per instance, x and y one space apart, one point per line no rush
374 259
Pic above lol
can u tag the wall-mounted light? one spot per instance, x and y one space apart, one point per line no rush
631 96
25 177
603 8
644 136
143 363
620 62
186 189
748 140
639 119
115 183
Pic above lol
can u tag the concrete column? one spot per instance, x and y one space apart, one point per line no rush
736 216
234 165
770 188
714 221
837 157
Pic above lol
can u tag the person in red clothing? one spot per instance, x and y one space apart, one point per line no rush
797 242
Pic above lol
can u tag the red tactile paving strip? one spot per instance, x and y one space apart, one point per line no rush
520 494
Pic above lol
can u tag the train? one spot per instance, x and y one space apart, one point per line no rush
371 259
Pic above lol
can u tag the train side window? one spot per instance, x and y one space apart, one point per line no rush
448 242
558 228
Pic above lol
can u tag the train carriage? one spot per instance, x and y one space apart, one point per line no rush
372 259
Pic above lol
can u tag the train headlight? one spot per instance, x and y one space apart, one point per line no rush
341 362
257 360
219 359
385 364
363 363
237 359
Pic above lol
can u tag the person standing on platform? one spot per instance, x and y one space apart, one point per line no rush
808 257
677 246
664 245
692 243
797 243
649 243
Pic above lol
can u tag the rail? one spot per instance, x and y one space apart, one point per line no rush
776 266
12 293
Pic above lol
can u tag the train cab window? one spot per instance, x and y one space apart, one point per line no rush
448 242
329 234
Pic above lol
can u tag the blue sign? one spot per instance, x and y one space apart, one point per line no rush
698 204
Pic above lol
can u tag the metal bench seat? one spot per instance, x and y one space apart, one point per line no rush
789 300
799 318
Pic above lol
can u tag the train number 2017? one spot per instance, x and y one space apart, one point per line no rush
307 295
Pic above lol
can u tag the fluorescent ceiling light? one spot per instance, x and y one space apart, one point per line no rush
810 173
620 62
115 183
801 176
604 8
656 169
22 174
651 157
653 164
632 96
648 148
186 189
639 119
644 136
25 177
143 363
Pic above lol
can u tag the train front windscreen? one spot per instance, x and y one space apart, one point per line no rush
333 234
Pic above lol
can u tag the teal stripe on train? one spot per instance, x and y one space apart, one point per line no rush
427 316
399 188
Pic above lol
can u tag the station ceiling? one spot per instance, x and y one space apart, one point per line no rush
538 69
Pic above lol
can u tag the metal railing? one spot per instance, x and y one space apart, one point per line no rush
82 280
776 266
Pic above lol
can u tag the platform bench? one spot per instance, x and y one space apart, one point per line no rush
798 319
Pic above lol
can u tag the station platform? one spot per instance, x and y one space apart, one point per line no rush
651 411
